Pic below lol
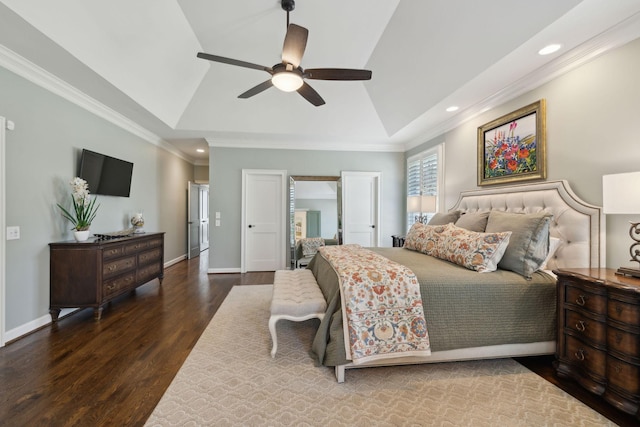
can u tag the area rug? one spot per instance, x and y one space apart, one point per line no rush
230 379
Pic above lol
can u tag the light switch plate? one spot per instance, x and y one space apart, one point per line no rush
13 233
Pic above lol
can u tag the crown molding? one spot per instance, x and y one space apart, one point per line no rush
39 76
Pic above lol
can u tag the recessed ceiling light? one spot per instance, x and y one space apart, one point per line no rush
200 150
549 49
452 108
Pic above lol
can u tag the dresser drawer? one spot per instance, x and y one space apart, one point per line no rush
587 357
153 243
119 284
149 256
113 268
623 312
623 375
148 272
133 248
585 327
589 301
623 342
112 252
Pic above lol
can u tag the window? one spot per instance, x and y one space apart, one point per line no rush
424 178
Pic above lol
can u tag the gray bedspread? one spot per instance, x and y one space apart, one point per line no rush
462 308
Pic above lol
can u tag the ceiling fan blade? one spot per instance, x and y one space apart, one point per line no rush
230 61
337 74
310 95
256 89
295 43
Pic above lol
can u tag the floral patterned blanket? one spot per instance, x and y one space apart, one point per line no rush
381 305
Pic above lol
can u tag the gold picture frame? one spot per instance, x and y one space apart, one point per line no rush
513 147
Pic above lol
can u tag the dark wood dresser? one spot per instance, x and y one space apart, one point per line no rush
92 273
599 334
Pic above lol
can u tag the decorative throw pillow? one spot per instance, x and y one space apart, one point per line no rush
473 250
310 245
424 238
473 221
444 218
529 242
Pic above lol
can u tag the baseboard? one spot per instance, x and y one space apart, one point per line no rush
26 328
175 261
223 270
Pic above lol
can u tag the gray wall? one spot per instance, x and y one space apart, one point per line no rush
593 129
42 156
225 177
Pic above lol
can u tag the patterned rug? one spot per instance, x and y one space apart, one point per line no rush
230 379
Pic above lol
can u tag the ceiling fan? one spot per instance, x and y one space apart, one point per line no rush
288 75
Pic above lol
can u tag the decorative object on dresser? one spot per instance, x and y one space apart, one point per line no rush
599 334
621 195
90 274
421 205
513 147
137 221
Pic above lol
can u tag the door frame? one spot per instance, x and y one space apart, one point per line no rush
3 227
377 176
284 200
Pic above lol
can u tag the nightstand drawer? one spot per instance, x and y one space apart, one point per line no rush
585 327
623 375
622 312
623 342
587 300
587 357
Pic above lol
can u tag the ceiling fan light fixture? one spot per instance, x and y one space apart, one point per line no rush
287 81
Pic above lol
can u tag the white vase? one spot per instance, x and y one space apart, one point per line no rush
81 236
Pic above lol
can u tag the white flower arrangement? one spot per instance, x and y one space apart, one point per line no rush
84 206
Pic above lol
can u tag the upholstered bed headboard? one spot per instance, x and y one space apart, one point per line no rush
579 225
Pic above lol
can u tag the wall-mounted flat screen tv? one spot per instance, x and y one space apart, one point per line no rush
105 174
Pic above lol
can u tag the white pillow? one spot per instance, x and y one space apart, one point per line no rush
554 242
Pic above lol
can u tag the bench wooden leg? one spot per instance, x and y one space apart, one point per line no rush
274 338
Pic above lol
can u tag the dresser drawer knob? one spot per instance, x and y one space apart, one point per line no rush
112 268
581 300
581 326
579 354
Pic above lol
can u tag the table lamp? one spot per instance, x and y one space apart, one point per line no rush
421 204
621 195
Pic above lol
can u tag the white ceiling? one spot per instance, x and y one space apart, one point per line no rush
138 58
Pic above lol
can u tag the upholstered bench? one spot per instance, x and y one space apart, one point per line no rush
296 297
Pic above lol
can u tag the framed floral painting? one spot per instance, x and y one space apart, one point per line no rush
513 147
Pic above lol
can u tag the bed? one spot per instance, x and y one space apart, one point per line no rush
473 315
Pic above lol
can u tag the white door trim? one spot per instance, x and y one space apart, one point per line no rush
284 202
3 228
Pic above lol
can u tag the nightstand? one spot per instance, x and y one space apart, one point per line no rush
599 334
398 241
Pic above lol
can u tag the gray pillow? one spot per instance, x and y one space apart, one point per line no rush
444 218
529 242
473 221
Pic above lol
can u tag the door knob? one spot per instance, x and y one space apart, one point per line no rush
372 226
250 226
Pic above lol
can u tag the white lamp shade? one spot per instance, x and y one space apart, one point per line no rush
413 204
428 203
621 193
421 204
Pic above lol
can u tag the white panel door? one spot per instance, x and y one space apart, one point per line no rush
360 208
204 217
264 220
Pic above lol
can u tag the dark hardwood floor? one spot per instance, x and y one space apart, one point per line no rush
114 371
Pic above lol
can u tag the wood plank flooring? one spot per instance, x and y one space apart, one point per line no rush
114 371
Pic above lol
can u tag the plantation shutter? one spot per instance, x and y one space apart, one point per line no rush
423 175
